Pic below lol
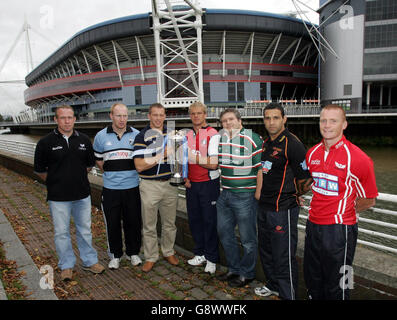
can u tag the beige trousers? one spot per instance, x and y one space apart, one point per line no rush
158 196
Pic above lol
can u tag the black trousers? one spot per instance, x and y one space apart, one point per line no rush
277 242
122 207
328 260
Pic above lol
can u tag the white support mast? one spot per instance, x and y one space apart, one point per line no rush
178 51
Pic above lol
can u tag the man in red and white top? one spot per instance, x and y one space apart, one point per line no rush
202 190
344 185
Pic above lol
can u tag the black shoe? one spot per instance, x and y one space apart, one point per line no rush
227 276
239 282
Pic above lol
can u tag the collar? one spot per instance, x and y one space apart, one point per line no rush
281 136
109 129
205 128
149 128
75 133
337 145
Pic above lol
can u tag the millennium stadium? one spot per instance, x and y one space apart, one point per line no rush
177 55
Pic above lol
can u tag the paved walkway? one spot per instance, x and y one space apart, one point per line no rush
27 235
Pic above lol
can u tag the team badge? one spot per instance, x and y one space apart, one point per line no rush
304 165
266 166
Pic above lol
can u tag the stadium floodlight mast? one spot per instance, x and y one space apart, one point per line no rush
178 51
318 39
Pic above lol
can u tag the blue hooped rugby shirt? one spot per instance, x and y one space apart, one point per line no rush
117 154
149 143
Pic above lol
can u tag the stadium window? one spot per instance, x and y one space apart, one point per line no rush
240 91
138 95
207 93
231 91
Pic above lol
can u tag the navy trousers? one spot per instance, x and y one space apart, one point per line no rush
201 209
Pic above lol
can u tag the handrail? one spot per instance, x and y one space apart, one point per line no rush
27 149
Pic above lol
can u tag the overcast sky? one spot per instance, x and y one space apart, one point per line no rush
53 22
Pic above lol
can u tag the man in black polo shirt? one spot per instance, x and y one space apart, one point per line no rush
157 194
62 159
285 178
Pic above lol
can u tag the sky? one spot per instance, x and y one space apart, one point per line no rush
53 22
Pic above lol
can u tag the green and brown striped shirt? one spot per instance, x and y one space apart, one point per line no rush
239 159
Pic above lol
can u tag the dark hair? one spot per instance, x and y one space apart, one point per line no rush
230 110
272 106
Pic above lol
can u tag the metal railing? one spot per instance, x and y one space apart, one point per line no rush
386 218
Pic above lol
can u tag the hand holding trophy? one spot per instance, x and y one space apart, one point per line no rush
177 156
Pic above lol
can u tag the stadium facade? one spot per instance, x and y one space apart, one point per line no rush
363 77
246 56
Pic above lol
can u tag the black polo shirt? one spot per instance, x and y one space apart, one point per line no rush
149 143
65 163
283 162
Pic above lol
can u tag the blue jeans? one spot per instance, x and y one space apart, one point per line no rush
61 212
238 208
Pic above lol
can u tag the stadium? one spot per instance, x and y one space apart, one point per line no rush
240 56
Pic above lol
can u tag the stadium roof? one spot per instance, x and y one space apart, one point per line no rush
140 25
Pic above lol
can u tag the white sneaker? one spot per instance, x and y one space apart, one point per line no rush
197 261
265 292
135 260
210 267
114 263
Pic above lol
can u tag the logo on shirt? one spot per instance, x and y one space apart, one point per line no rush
57 148
108 143
304 165
82 147
340 166
266 166
131 142
325 184
315 162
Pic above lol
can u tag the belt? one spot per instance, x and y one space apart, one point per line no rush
159 179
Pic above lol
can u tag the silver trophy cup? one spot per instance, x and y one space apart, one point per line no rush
177 161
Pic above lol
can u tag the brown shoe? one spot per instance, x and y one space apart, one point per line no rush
66 274
147 266
95 268
172 260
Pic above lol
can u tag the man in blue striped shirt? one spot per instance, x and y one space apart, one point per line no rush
157 194
113 147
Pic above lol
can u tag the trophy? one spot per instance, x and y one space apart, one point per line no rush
177 142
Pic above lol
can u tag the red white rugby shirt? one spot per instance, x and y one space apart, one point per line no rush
347 173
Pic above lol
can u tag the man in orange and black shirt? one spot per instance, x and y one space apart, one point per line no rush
285 178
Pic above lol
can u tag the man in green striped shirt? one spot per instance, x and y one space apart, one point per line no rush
238 153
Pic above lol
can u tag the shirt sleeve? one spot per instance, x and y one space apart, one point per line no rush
98 148
213 145
296 153
364 178
140 147
40 158
90 155
257 153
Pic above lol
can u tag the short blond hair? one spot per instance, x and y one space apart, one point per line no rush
114 105
198 104
335 107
